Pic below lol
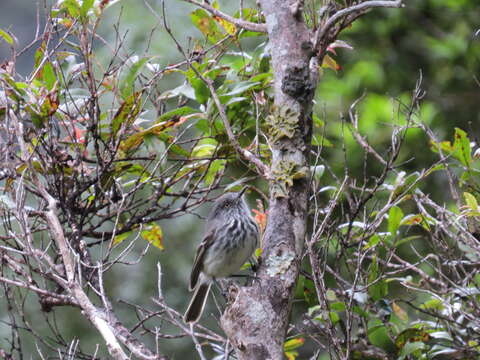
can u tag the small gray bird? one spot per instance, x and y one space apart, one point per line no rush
231 236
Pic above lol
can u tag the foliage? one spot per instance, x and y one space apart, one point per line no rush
390 266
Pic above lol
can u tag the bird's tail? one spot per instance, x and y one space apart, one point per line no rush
199 298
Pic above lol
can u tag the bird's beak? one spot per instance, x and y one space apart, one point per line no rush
240 193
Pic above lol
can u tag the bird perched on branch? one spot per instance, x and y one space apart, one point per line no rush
231 236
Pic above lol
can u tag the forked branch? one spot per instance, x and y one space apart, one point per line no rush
247 25
348 15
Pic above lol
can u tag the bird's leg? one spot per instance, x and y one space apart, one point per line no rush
222 285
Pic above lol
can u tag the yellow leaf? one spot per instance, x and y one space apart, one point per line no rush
329 62
119 238
230 28
203 151
401 314
293 344
471 201
412 219
154 235
291 355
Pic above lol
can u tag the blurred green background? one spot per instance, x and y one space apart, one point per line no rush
391 48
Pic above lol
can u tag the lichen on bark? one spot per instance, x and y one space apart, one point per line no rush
285 173
282 123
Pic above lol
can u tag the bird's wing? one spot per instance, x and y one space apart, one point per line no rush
198 262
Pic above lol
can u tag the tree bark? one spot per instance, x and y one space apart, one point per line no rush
257 321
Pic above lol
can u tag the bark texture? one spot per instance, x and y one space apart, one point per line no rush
257 320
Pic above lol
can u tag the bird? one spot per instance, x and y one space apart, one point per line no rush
231 237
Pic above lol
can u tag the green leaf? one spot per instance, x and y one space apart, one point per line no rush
471 202
435 168
416 348
378 335
204 149
330 295
202 93
184 90
317 121
207 25
127 113
132 142
38 120
334 317
182 111
264 78
86 5
119 238
241 87
317 171
138 170
338 306
48 76
293 344
410 335
379 288
358 310
404 185
216 167
395 216
319 140
234 100
72 7
372 242
5 36
165 122
174 148
128 83
432 304
251 15
237 185
461 147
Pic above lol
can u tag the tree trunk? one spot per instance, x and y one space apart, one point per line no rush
257 321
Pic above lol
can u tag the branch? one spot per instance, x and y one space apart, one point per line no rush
63 298
247 25
88 308
355 10
244 153
356 133
247 155
109 327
